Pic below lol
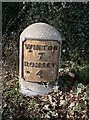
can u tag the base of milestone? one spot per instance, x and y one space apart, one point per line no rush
33 89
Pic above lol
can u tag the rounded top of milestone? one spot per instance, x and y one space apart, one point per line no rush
40 31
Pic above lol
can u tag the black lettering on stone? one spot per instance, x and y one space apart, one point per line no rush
40 47
26 64
37 47
40 55
31 64
49 47
48 65
28 72
55 48
40 73
36 64
44 47
53 64
28 46
43 65
39 65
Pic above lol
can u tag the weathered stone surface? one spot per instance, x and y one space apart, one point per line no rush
39 58
41 31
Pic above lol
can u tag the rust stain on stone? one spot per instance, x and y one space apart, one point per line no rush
40 60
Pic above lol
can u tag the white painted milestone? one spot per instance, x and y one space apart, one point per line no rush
39 60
